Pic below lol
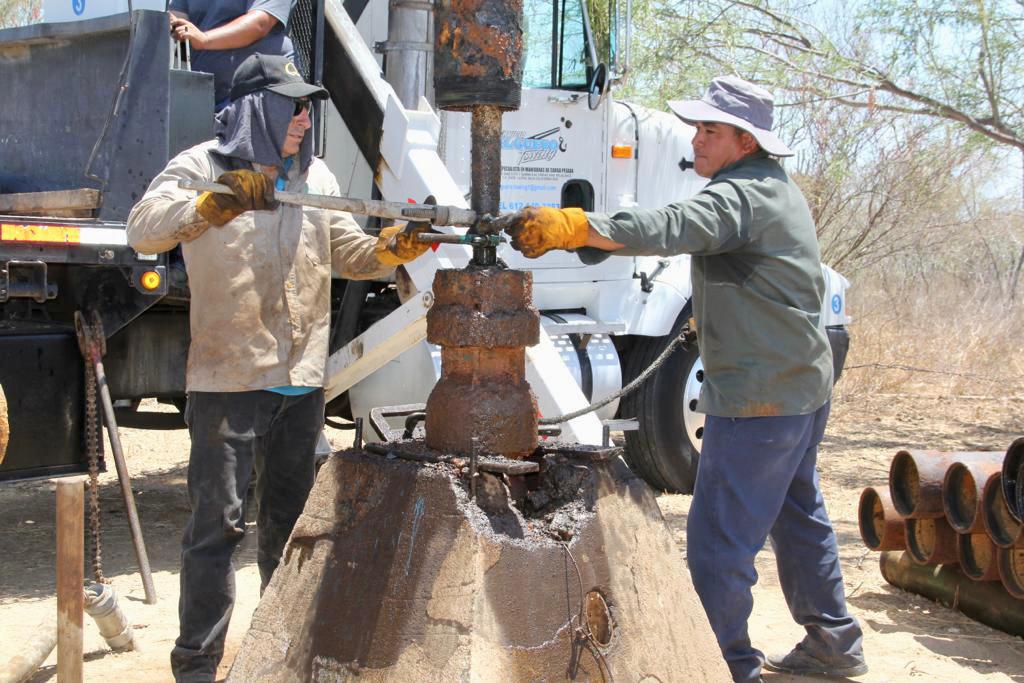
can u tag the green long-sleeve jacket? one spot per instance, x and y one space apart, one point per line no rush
757 287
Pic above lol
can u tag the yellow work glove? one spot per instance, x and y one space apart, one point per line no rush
537 230
253 191
397 244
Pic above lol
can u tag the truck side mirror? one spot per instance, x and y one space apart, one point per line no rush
597 86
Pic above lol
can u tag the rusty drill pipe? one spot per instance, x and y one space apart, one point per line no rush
880 527
962 490
478 50
1013 487
478 67
983 601
1010 564
977 556
485 133
485 169
1000 525
915 480
92 341
931 540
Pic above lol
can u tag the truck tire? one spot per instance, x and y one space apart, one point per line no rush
5 427
665 450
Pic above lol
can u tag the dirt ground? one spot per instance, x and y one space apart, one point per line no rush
906 637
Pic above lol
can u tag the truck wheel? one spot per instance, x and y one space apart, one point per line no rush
5 427
665 450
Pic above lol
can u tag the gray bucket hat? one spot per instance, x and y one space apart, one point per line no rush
739 103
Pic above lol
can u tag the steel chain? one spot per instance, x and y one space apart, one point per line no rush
682 339
90 352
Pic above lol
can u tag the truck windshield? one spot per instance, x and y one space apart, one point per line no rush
555 44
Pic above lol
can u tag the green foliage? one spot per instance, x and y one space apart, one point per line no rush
959 62
601 27
902 112
663 63
20 12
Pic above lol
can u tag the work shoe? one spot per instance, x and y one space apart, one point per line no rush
800 662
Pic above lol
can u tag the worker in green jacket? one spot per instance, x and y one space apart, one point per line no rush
757 293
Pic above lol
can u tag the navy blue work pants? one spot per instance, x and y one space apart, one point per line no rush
757 479
231 433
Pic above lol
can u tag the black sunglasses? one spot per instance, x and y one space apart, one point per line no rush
302 104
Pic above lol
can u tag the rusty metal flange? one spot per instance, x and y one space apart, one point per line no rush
483 320
485 307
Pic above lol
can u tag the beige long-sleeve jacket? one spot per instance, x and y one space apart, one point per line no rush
260 309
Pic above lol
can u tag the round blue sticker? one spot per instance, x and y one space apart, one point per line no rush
78 6
837 303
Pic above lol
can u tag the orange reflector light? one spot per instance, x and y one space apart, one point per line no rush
52 234
150 280
622 151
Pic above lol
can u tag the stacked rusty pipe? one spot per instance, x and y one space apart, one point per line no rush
961 512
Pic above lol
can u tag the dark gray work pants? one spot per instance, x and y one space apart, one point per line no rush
757 478
231 433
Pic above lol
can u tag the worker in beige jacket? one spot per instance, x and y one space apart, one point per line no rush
260 279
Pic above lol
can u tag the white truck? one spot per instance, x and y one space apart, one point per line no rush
570 144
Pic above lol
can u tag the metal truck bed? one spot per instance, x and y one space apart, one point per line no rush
94 104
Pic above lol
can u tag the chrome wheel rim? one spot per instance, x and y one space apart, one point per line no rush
693 421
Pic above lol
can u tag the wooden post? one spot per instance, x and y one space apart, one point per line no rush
70 576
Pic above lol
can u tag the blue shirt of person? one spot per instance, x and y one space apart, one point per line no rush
208 14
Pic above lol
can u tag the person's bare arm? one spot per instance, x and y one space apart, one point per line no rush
240 32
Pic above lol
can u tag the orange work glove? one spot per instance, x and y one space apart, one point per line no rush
397 244
253 191
537 230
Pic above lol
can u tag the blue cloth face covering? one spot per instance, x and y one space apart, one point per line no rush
252 130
